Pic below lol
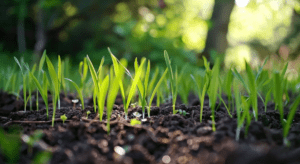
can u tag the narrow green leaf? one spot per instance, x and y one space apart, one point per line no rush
260 69
253 90
134 83
103 93
290 118
93 72
156 88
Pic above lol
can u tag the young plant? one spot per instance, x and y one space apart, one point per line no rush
118 69
55 84
143 87
40 70
201 90
87 114
30 86
112 94
156 91
288 123
63 118
228 84
100 87
238 105
213 90
252 89
24 81
42 89
278 80
135 122
173 80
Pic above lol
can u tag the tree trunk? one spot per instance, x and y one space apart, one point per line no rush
216 37
40 35
21 28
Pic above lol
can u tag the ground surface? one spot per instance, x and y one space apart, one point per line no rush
162 138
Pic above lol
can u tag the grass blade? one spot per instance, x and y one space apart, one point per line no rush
253 90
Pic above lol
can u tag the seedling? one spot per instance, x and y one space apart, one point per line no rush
112 94
63 118
55 78
213 89
156 91
42 89
87 114
182 112
24 80
118 69
40 71
135 122
100 88
201 90
173 80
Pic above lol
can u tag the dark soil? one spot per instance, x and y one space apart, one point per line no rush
162 138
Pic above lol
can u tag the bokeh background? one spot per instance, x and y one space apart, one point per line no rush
188 29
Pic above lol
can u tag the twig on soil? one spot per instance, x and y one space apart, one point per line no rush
32 122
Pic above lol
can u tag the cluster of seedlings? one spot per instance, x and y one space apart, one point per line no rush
241 88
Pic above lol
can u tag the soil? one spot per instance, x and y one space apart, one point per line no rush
162 138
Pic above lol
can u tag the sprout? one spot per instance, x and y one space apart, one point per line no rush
64 118
135 122
87 114
173 80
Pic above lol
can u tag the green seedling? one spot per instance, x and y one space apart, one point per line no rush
63 118
213 90
112 94
87 114
173 80
182 112
55 84
118 69
43 89
31 86
252 89
238 104
40 71
156 91
143 87
290 117
201 92
100 87
278 92
24 80
228 84
135 122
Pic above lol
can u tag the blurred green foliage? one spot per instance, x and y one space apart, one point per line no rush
140 28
